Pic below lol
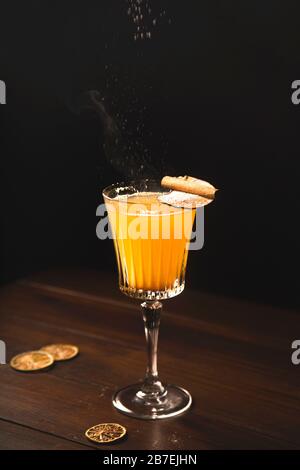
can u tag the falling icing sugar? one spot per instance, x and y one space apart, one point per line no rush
145 18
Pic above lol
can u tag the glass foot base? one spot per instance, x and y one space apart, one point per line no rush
173 402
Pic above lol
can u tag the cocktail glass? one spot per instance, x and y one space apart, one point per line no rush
151 242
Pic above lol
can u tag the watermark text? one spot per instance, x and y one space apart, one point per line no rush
122 222
2 92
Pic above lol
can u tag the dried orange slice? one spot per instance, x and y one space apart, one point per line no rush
105 433
32 361
61 352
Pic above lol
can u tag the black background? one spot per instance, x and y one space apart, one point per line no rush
216 85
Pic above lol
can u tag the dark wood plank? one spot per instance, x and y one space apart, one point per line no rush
16 437
234 357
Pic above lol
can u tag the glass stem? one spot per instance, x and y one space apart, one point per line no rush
152 387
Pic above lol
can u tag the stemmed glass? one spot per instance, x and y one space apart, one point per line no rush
151 243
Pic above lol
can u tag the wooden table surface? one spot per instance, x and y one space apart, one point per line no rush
234 357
